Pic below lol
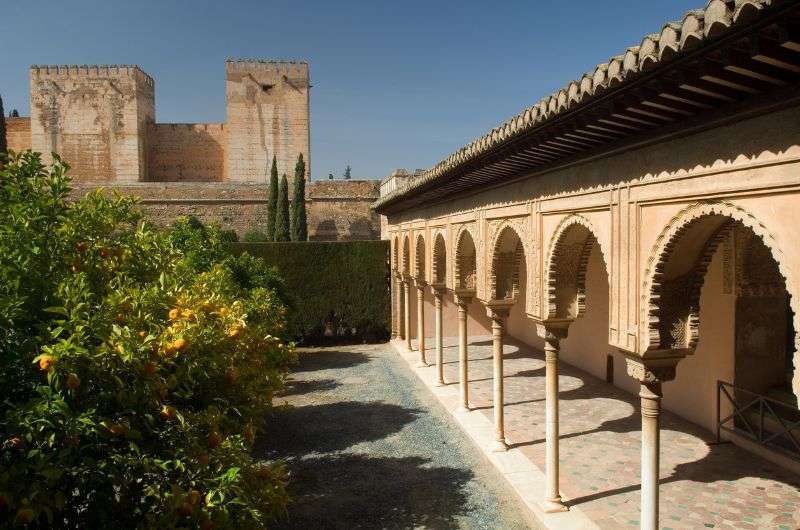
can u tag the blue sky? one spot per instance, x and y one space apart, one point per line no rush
396 84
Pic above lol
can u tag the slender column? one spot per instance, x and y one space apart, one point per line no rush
395 307
498 315
421 323
407 312
552 494
463 358
437 294
650 394
659 367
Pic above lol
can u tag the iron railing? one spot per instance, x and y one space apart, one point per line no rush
763 420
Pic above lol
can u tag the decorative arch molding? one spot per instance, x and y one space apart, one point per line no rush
465 230
419 257
568 261
522 253
439 258
395 253
670 236
406 254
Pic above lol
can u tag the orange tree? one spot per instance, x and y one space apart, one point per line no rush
133 374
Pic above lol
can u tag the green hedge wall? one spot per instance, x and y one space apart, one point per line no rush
339 291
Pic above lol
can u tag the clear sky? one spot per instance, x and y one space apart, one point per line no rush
396 84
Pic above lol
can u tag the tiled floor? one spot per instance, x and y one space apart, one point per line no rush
702 485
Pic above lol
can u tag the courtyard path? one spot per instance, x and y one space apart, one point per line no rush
369 447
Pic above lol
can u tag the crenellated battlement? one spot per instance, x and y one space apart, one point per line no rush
290 68
92 71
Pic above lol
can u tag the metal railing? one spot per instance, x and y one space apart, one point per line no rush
762 419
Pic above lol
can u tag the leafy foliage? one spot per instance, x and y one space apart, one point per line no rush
299 220
339 291
136 365
255 236
272 201
282 212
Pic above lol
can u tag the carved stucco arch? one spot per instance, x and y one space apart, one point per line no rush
521 254
464 231
568 261
419 258
670 236
439 259
406 255
395 253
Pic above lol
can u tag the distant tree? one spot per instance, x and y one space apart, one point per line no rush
282 212
15 113
347 173
299 221
272 203
3 141
330 176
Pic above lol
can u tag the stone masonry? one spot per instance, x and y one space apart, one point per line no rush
101 120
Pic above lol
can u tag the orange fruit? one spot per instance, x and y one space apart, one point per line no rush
167 413
150 368
231 375
15 442
117 429
178 344
142 333
194 497
174 313
214 439
81 247
73 381
234 332
46 362
24 516
223 311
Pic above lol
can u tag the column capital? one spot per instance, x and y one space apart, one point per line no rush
464 296
654 370
498 309
420 283
553 329
438 288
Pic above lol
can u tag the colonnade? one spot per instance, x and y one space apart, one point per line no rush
552 331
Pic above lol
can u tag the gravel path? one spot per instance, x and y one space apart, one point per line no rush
369 447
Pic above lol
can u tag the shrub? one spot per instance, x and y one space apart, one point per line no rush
136 368
339 291
272 200
282 212
255 236
299 219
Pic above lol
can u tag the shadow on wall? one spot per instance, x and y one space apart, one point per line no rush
362 228
326 231
182 152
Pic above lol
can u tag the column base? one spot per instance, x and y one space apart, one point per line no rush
463 408
422 364
555 506
498 446
440 383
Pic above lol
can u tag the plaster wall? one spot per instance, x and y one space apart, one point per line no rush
186 152
18 133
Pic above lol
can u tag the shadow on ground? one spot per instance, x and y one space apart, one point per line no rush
359 491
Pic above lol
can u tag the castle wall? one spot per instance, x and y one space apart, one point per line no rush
186 152
340 210
267 114
95 117
18 133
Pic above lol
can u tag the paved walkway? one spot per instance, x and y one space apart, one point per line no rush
703 486
369 447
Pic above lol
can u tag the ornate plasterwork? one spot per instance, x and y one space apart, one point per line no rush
419 258
439 258
566 264
522 253
470 263
406 255
653 283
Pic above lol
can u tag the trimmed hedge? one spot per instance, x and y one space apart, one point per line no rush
339 291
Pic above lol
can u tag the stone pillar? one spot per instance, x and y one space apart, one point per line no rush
438 294
498 312
462 301
552 333
421 323
395 306
651 373
407 312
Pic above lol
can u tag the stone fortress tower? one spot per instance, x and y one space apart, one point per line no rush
268 113
101 120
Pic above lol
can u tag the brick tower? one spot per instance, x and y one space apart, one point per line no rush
268 114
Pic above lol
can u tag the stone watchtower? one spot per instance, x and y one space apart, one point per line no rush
268 114
95 117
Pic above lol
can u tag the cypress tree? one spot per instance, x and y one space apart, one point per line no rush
272 203
282 212
3 141
299 222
